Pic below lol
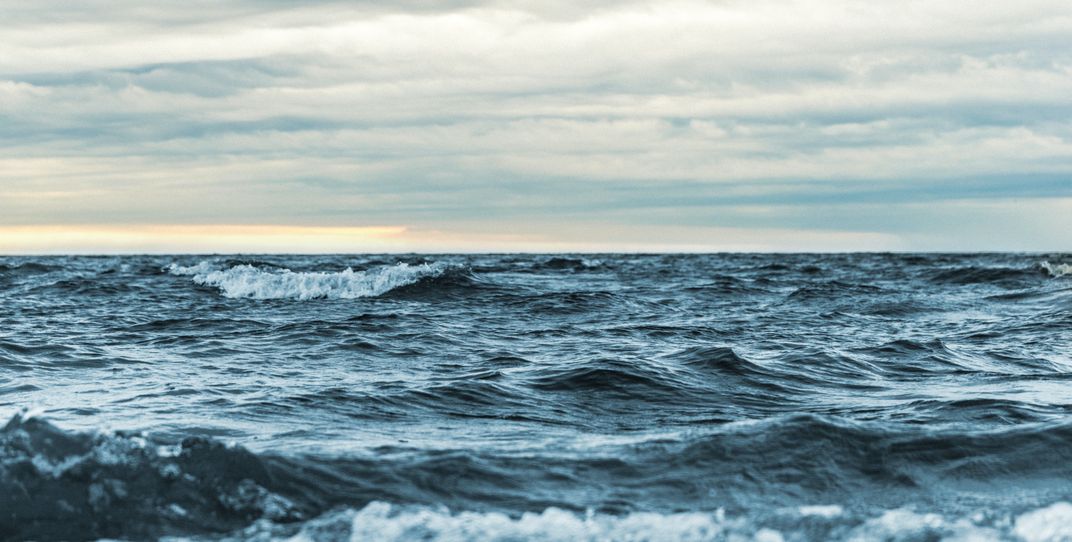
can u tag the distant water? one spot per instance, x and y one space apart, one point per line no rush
607 397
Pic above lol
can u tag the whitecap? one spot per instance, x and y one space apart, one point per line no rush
825 511
1056 270
390 522
247 281
191 270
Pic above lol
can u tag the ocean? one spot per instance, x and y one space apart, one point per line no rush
768 397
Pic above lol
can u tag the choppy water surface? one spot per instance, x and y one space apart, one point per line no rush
609 397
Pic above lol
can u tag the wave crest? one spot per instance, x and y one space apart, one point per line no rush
247 281
1056 270
63 485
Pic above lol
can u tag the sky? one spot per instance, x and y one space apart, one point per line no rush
485 125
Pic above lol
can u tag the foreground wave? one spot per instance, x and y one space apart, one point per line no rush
71 486
56 484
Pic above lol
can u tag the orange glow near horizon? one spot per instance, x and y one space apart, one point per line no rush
156 238
278 239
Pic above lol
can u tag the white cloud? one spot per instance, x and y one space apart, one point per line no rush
424 113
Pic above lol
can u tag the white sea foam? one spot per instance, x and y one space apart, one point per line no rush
826 511
246 281
386 522
1050 524
906 525
1056 269
191 270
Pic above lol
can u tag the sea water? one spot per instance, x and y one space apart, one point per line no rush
537 397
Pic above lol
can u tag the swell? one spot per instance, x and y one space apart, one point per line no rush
833 289
998 276
785 461
748 382
478 395
250 282
39 356
27 268
560 263
569 302
98 286
725 284
912 357
707 379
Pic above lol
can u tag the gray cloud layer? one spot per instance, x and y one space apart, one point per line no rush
933 124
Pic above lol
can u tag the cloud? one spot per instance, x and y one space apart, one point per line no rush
426 114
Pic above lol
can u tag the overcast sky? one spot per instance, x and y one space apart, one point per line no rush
544 125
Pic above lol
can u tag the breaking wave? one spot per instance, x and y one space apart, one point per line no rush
248 281
1056 270
388 523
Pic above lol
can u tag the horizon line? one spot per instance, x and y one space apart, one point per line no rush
528 252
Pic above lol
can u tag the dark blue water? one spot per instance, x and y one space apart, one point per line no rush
609 397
